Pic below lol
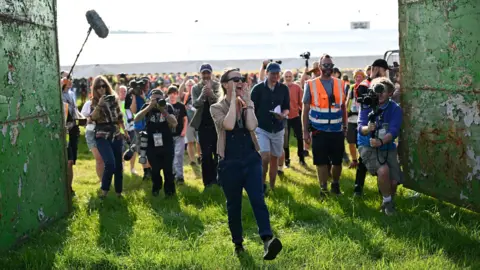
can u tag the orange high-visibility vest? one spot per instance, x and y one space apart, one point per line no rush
326 115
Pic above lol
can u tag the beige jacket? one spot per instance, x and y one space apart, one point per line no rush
219 110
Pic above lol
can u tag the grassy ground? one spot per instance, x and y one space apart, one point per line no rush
190 231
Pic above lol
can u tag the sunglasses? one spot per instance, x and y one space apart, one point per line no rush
328 65
237 79
102 86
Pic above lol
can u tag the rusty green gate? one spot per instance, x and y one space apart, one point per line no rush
32 139
440 77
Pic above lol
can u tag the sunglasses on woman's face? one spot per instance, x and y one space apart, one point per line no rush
102 86
237 79
328 65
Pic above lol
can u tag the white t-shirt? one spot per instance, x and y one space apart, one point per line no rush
86 109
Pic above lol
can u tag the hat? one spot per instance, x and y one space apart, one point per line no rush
172 89
206 67
380 63
156 92
273 67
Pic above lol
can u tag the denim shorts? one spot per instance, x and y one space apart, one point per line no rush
271 142
90 138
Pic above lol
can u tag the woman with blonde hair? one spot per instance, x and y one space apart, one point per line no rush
108 120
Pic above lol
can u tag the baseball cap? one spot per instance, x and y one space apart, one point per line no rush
206 67
380 63
273 67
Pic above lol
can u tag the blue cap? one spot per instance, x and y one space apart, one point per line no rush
206 67
273 67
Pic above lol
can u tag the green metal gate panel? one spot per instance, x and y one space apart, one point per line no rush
32 137
440 77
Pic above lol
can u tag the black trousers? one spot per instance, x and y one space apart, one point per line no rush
161 159
296 125
207 137
360 175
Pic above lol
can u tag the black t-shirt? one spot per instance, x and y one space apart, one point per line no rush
157 123
180 112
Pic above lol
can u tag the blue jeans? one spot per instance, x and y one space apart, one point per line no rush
111 152
235 175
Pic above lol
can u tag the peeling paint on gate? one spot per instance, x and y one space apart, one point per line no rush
32 137
439 50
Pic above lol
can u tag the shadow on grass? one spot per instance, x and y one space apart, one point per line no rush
247 261
178 223
424 221
116 223
335 226
42 248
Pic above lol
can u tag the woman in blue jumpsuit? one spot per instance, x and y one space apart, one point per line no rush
240 165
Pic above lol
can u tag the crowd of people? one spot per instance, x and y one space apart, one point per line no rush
239 125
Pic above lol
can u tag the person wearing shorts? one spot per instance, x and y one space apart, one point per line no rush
272 104
353 108
379 153
324 113
91 141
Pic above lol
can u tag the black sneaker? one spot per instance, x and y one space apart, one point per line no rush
287 163
388 208
280 172
323 193
271 248
147 175
335 189
239 249
199 160
181 181
306 153
193 163
302 162
155 193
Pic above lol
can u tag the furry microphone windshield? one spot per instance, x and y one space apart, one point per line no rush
97 23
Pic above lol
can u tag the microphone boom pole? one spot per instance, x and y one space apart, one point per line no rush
78 55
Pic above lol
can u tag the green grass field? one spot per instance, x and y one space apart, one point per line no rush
190 230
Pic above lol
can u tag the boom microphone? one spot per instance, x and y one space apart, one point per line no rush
97 23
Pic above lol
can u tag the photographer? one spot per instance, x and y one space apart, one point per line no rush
204 94
138 92
240 165
379 127
108 120
377 70
160 121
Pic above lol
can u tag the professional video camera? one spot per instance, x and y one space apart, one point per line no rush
370 100
306 56
137 85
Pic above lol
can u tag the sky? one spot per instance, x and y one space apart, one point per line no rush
247 16
216 15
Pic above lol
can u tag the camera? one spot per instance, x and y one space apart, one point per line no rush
276 61
143 147
137 86
128 154
305 55
161 102
370 100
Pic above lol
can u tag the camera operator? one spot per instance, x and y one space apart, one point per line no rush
139 90
159 121
379 127
377 70
204 94
323 115
240 165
